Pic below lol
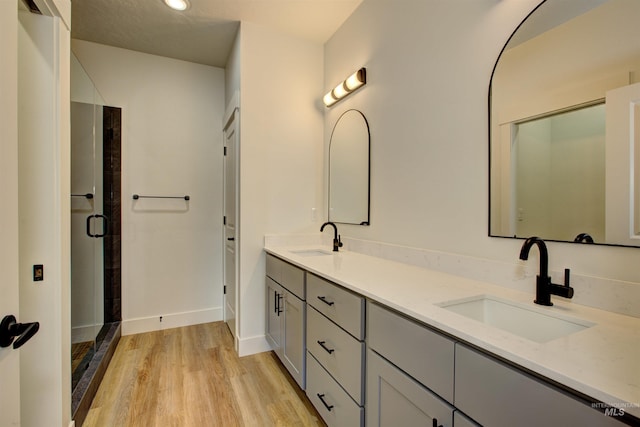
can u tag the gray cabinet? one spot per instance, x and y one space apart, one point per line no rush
286 316
495 394
334 405
396 399
461 420
422 353
293 347
274 314
335 343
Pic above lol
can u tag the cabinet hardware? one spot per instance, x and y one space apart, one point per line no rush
324 300
279 299
328 350
321 397
275 301
435 423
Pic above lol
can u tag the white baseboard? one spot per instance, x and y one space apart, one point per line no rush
252 345
172 320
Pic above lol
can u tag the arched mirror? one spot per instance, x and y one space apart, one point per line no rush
563 101
349 170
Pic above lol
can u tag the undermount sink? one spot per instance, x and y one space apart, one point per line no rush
311 252
527 322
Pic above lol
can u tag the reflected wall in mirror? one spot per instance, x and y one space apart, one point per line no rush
349 169
561 133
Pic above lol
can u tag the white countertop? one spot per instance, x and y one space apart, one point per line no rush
602 362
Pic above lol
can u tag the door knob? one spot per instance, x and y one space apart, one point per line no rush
10 329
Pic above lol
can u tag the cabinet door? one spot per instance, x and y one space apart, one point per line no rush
274 315
396 399
293 348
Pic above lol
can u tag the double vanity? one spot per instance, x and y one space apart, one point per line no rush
376 342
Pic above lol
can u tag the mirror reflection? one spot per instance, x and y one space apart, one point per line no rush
560 130
349 170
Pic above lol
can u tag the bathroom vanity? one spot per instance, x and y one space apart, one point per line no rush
393 344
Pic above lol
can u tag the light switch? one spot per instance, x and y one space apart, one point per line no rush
38 273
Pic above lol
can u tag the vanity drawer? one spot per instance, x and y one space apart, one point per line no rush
335 406
420 352
287 275
343 307
340 354
494 393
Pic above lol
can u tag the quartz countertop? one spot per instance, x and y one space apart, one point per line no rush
602 361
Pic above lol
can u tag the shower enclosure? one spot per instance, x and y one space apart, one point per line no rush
95 237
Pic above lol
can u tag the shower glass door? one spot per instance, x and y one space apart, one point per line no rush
88 225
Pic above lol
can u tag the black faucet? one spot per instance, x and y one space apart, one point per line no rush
336 237
544 287
583 238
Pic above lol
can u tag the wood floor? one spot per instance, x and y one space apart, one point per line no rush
192 377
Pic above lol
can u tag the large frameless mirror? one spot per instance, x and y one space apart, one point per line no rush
349 169
562 125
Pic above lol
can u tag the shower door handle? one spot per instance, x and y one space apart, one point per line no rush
105 226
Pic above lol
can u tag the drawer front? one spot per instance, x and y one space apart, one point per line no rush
394 398
287 275
425 355
339 353
274 268
343 307
495 394
335 406
293 280
460 420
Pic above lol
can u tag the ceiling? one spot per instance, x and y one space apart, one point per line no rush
205 32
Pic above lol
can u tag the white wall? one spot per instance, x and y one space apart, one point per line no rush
280 157
171 145
428 66
43 164
232 71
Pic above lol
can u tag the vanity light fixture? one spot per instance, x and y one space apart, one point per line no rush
179 5
353 82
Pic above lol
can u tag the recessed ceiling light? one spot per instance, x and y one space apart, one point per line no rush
177 4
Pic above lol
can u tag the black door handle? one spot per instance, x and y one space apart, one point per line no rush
231 239
89 233
10 329
105 225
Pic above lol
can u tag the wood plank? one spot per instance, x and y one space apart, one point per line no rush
192 376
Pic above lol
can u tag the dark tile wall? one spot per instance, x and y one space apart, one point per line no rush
112 121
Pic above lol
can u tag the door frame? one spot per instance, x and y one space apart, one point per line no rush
232 114
9 277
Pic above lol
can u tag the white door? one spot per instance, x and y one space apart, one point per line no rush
231 141
622 156
9 358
